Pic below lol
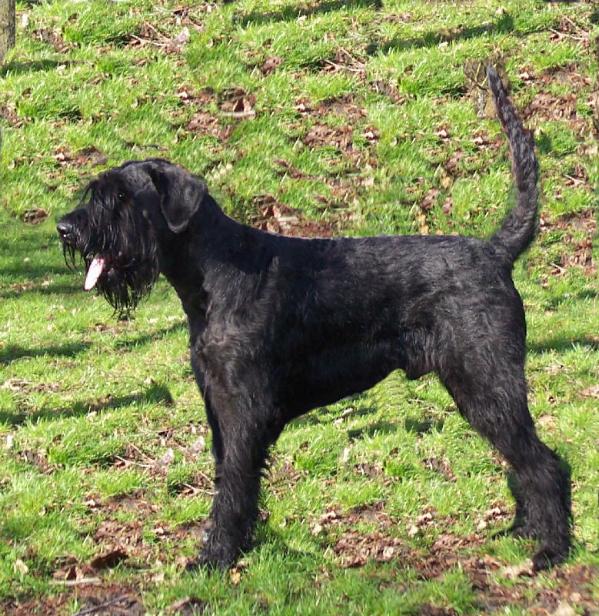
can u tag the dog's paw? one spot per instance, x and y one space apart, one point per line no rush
548 556
215 554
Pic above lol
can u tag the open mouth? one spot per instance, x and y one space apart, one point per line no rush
96 267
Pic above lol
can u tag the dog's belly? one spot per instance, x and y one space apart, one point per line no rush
336 372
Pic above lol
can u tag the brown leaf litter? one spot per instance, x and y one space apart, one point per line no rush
339 136
108 599
237 103
548 106
52 38
276 217
9 113
344 61
86 156
232 103
148 35
271 64
34 216
579 250
188 606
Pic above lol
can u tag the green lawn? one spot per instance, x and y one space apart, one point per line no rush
316 117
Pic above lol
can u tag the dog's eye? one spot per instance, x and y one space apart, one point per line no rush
121 196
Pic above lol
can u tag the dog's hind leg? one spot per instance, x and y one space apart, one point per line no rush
490 391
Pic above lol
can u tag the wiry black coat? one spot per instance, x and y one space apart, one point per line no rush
279 326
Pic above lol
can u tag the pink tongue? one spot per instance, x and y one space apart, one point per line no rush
93 273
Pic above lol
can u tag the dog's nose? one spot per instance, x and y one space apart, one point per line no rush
65 230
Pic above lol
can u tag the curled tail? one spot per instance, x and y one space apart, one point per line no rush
519 227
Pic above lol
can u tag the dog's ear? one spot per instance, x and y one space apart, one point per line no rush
181 193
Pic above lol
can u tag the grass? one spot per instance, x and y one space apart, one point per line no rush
365 123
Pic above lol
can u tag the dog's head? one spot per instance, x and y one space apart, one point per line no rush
117 228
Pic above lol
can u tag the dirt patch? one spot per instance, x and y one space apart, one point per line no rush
579 249
440 466
237 103
188 606
342 137
105 598
87 156
566 28
549 106
276 217
34 216
444 554
52 38
334 518
347 106
10 115
232 104
569 587
17 385
388 89
283 475
203 120
344 61
148 35
207 124
372 470
355 549
129 533
270 65
125 538
37 459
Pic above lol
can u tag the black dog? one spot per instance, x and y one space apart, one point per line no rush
280 325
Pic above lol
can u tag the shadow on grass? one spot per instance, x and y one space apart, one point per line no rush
326 415
19 68
584 294
289 13
423 426
132 343
503 25
19 289
155 394
266 534
380 427
14 352
563 344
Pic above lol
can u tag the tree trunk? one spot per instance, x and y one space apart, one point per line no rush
7 26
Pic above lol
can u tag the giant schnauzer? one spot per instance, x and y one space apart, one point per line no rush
279 325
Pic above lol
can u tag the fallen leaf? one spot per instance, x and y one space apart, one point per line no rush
513 572
35 216
20 567
167 458
108 560
235 576
182 37
591 392
188 606
198 445
271 64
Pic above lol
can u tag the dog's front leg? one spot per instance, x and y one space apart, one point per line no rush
246 435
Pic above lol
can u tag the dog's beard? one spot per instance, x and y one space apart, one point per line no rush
123 286
122 277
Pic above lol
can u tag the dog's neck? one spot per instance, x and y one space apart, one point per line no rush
221 249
